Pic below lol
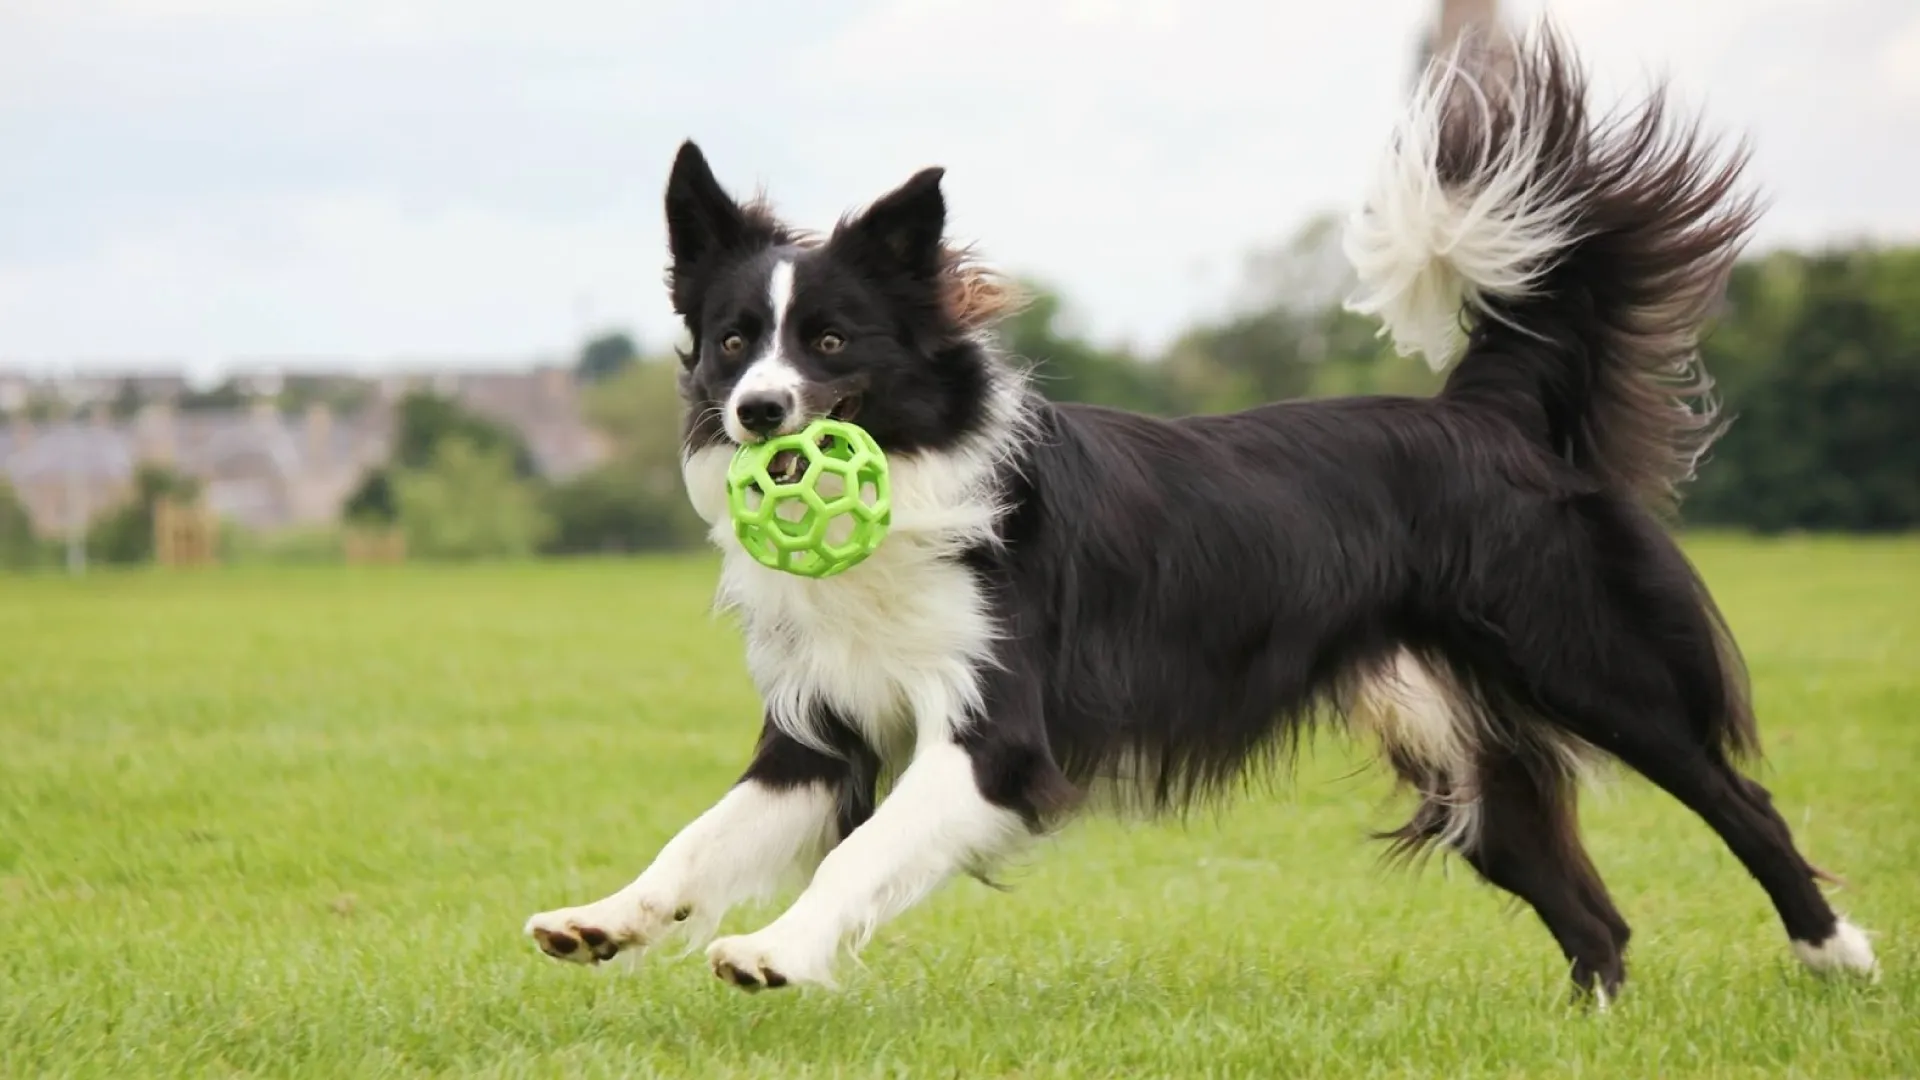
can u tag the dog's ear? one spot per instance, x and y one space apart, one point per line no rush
902 230
702 218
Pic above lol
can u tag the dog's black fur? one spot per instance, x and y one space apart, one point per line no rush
1179 598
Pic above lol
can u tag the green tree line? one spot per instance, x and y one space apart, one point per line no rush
1816 354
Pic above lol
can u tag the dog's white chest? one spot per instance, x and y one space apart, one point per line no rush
892 646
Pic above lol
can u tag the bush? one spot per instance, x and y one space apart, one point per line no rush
1819 361
373 503
20 549
469 504
426 421
615 509
312 544
606 356
125 535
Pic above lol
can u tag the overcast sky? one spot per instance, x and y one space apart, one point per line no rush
210 181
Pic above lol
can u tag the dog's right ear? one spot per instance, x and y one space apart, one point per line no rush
701 217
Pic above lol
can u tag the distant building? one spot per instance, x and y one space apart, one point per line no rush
65 474
259 466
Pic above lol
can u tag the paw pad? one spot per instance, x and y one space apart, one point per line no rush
749 979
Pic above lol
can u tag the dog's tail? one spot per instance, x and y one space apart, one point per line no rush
1575 257
1569 261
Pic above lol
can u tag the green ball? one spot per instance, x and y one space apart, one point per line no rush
813 503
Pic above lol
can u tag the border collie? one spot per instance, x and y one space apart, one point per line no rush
1077 600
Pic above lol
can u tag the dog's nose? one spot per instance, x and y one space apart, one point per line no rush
763 411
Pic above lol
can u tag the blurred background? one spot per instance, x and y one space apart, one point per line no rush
374 280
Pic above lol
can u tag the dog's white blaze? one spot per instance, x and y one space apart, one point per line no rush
1846 949
771 371
743 848
934 823
780 294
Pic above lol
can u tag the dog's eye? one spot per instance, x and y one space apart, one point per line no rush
830 343
732 344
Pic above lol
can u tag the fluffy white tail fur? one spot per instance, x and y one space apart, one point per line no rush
1435 239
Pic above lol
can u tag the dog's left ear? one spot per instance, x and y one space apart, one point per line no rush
903 229
702 218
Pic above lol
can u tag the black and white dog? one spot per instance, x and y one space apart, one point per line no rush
1076 601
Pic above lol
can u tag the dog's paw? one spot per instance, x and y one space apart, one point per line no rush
599 932
1845 951
762 962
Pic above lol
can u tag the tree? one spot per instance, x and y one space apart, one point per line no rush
615 509
20 549
373 502
425 424
639 410
126 534
606 356
427 420
1355 359
126 400
338 392
226 395
1067 367
468 504
43 407
636 501
1306 274
1288 336
1819 362
1262 356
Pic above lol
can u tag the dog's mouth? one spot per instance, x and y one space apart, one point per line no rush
789 466
845 409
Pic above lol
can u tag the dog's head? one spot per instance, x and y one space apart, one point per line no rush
879 322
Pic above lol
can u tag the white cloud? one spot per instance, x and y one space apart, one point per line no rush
1899 61
309 276
387 176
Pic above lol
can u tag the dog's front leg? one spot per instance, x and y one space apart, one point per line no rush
933 823
964 801
791 805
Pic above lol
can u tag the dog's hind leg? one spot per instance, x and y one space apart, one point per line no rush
1509 812
1515 824
1526 840
1739 811
1624 698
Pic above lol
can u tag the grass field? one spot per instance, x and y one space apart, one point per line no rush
289 823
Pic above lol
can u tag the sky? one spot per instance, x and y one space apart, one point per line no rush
215 183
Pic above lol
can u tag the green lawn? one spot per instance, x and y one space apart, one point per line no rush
290 823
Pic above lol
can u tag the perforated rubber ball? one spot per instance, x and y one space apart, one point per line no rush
814 503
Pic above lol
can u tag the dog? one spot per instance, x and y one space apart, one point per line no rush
1076 600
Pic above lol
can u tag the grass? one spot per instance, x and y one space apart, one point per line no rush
289 823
